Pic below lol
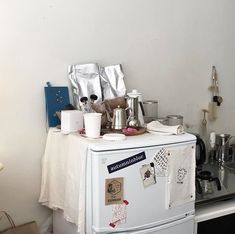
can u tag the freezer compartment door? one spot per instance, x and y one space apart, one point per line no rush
182 226
144 203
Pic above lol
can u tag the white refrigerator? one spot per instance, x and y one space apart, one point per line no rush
144 184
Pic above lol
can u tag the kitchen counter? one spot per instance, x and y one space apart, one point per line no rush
227 180
216 210
220 213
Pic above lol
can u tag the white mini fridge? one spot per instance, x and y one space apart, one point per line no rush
143 184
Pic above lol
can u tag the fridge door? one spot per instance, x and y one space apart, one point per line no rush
142 205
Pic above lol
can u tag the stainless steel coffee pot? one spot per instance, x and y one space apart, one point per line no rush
141 114
119 120
133 104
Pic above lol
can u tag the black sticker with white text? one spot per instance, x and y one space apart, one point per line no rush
126 162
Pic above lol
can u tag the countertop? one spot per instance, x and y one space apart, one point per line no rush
227 180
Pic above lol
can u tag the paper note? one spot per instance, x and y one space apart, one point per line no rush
161 162
119 214
148 174
114 191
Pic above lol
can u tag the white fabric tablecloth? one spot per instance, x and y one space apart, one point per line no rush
64 175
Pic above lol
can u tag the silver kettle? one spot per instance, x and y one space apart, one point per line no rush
119 118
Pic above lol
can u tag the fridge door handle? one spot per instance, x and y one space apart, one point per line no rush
145 230
168 225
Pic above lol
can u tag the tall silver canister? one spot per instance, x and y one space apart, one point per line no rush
133 104
150 110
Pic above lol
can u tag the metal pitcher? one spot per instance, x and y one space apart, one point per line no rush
133 104
119 118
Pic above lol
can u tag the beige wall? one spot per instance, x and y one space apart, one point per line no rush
166 48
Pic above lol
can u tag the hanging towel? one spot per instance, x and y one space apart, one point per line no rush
156 126
181 175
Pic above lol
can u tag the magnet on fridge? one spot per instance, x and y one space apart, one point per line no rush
147 172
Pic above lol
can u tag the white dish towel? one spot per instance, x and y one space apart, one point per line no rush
156 126
181 175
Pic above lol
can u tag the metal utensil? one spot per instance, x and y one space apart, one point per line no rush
204 121
212 104
215 86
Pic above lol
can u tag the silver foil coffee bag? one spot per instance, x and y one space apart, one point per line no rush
93 79
85 81
112 82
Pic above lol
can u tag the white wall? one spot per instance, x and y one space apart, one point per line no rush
166 48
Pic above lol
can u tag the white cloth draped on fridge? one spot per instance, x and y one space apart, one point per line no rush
63 176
